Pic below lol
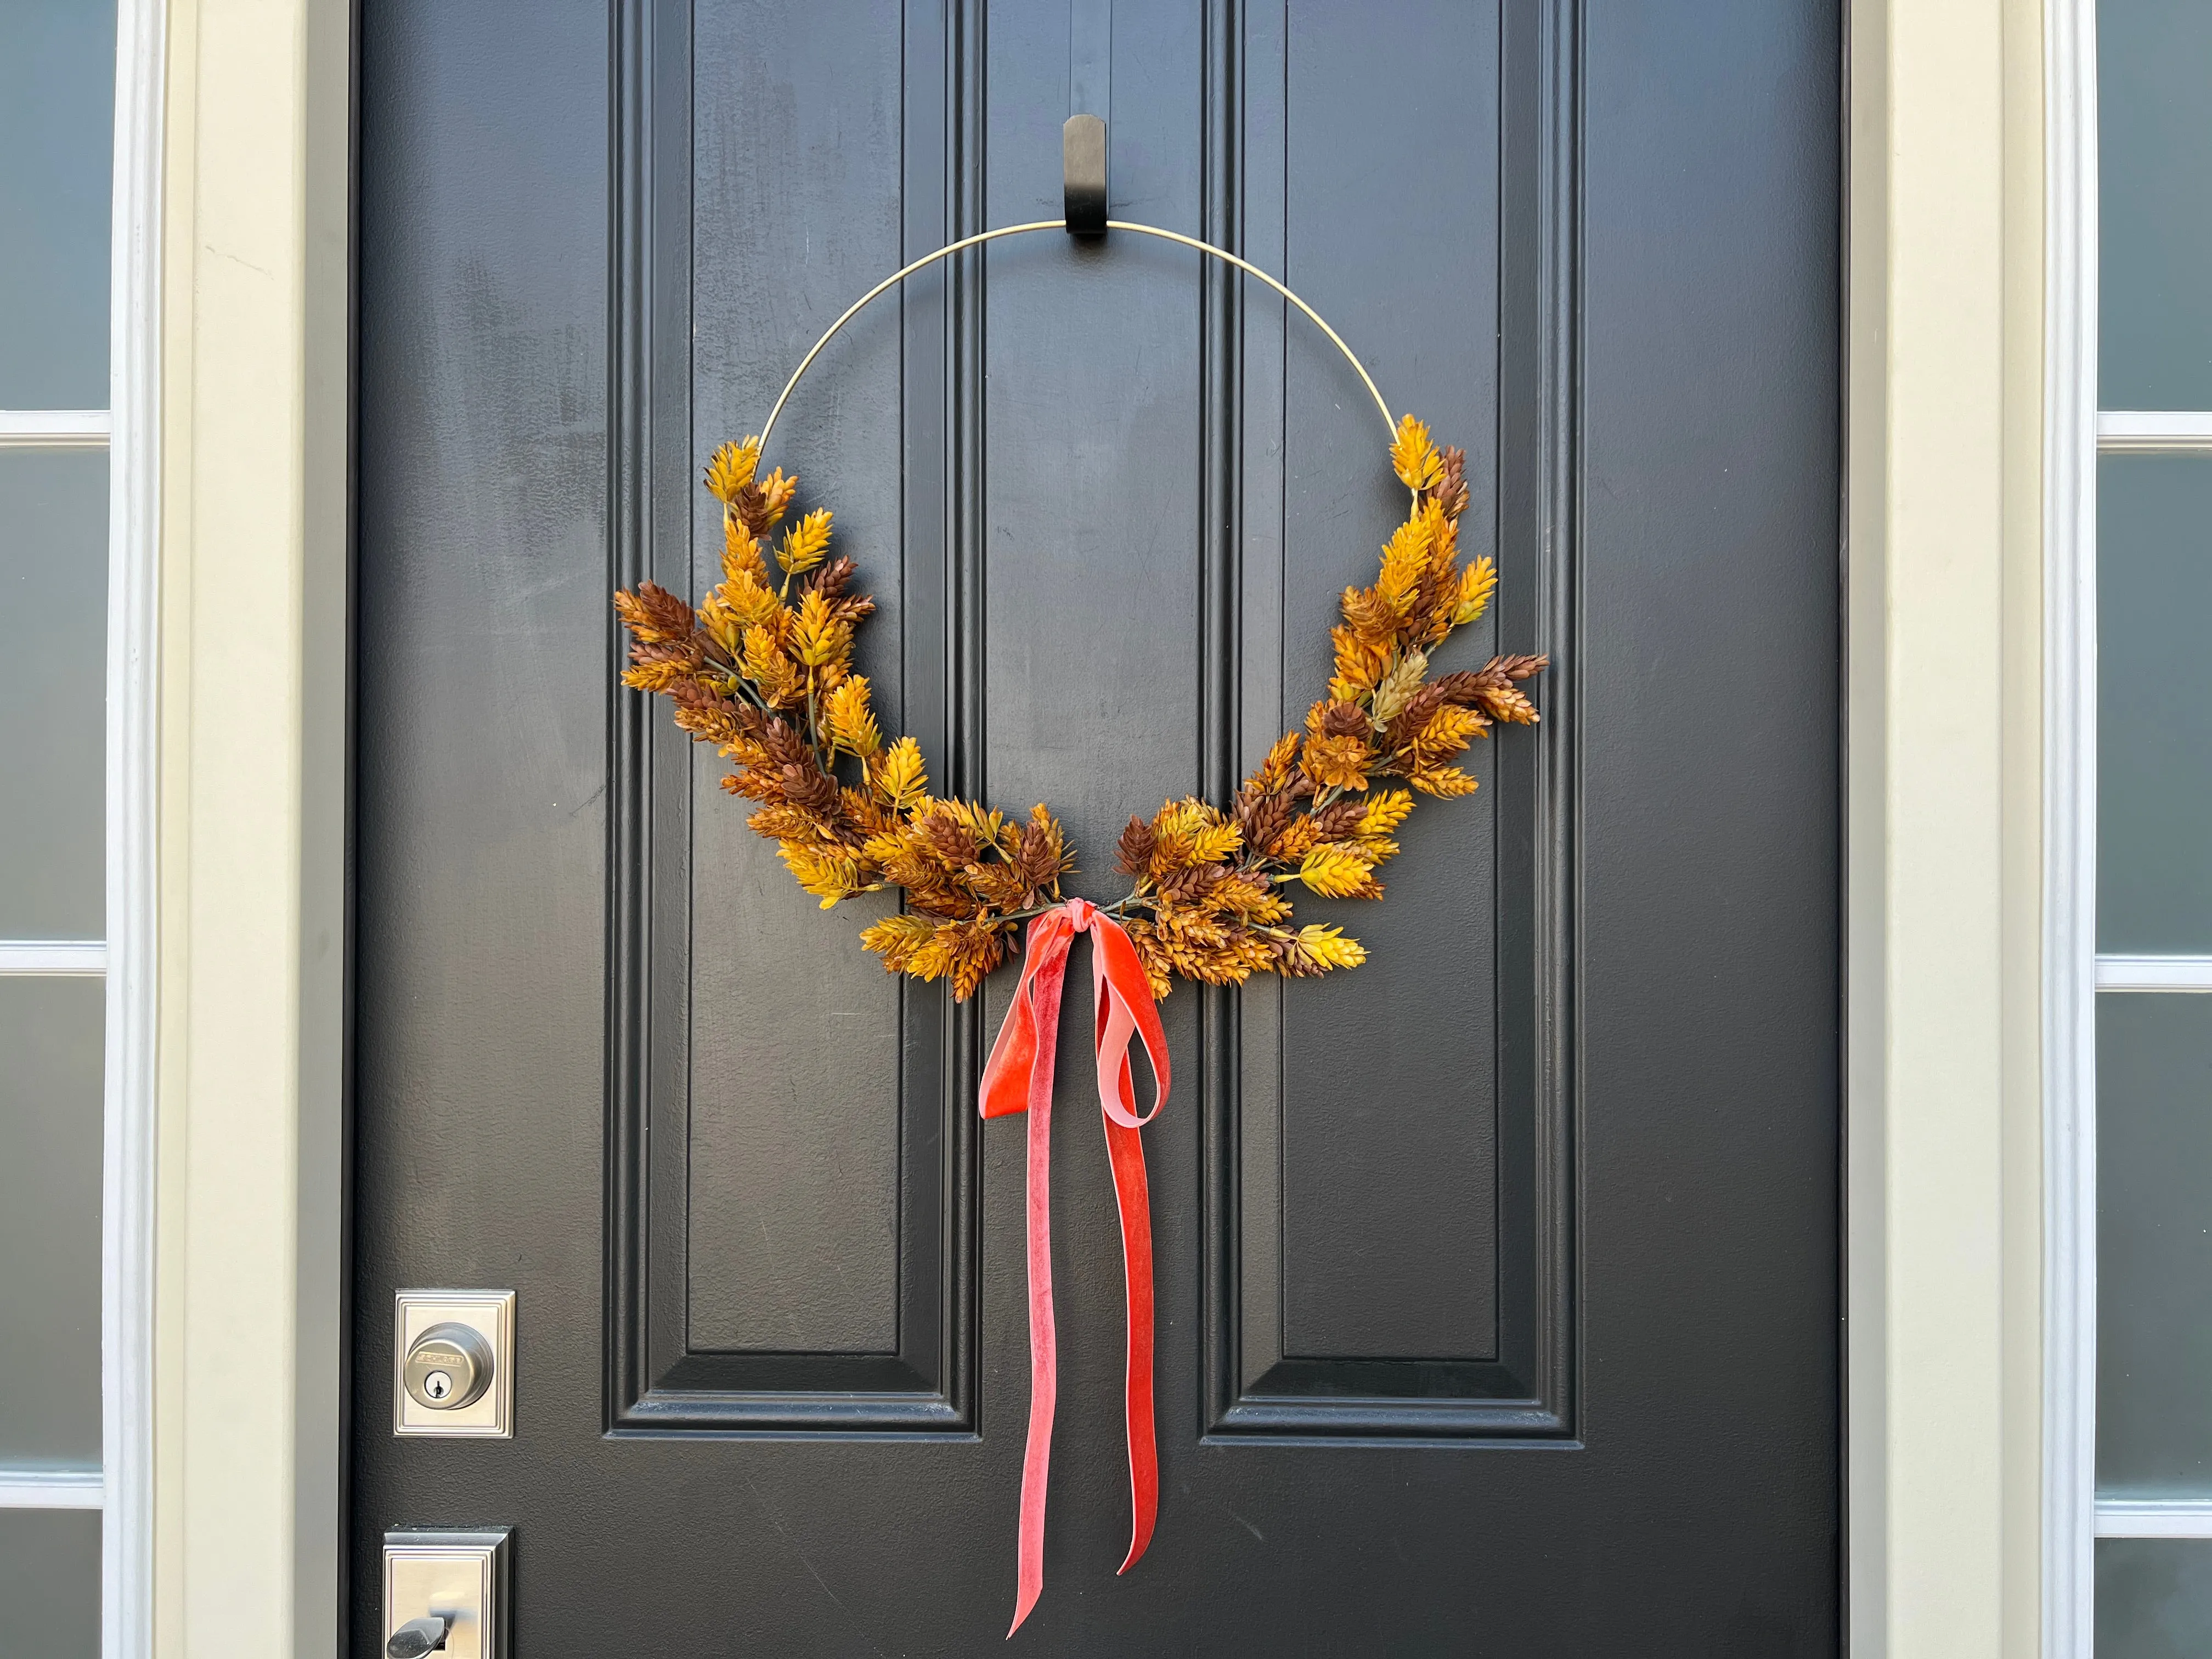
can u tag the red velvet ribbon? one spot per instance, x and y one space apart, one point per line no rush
1018 1079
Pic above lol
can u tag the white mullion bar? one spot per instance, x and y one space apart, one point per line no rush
2154 972
2070 839
2154 1517
2154 432
53 428
50 1489
52 956
126 1274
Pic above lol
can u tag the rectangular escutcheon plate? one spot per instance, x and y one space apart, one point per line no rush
462 1575
490 1314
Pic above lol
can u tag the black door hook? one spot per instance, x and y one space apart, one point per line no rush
1082 170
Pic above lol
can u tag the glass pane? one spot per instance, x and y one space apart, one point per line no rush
2154 125
2153 1598
2155 1244
56 120
2154 707
50 1114
53 650
49 1583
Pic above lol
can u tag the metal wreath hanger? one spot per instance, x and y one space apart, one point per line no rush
1083 166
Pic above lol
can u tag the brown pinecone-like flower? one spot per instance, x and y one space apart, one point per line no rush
1428 593
1186 886
653 614
1345 720
1134 856
1339 819
702 702
1450 490
1263 816
786 744
751 505
948 837
1036 862
1415 714
831 580
1519 668
807 786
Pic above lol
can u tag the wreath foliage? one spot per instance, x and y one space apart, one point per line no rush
762 671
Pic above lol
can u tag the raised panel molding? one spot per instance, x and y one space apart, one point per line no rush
659 1381
1254 1387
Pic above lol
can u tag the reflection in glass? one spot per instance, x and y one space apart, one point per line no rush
53 647
2154 213
50 1583
2153 1598
50 1140
2154 705
2155 1244
56 123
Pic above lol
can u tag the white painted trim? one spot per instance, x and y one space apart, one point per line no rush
2070 829
53 428
2154 972
50 1489
2154 1517
2154 432
38 955
133 528
255 511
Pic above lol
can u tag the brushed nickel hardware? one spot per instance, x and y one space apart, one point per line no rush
446 1590
454 1364
448 1367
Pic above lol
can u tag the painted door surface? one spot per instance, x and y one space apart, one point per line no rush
1496 1278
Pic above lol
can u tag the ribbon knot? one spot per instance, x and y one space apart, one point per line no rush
1018 1079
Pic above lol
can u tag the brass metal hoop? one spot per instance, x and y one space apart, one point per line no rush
899 275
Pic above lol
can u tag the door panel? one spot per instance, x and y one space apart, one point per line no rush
1554 1173
1381 1104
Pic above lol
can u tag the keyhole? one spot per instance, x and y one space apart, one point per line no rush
437 1385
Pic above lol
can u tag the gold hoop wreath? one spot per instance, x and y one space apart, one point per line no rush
761 669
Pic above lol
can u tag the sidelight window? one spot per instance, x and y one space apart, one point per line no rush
2152 832
75 231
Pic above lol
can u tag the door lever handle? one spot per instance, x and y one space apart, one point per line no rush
419 1636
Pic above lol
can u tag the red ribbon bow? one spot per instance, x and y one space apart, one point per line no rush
1018 1079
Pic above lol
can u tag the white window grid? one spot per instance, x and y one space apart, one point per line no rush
2152 432
36 1487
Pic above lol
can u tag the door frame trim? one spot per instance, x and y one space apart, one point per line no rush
1946 185
250 858
1946 872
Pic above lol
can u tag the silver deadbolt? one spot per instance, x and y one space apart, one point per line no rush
452 1362
448 1366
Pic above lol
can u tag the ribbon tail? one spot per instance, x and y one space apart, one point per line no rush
1126 1148
1125 1009
1044 1366
1036 1005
